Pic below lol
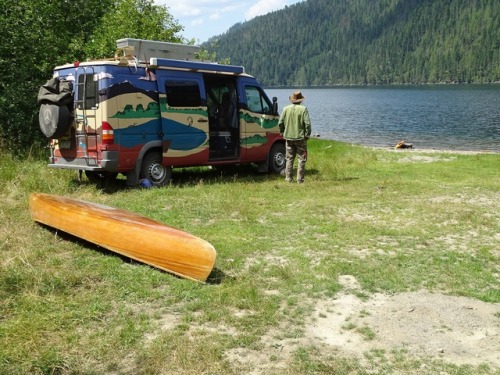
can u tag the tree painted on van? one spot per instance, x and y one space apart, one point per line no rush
266 123
152 110
255 140
182 110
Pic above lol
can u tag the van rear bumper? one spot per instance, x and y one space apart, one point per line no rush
108 163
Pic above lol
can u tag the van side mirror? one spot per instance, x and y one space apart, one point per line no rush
275 105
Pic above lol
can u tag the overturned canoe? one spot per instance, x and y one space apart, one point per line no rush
129 234
403 144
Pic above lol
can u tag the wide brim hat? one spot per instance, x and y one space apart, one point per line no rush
297 97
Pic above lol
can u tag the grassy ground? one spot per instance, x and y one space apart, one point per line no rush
397 221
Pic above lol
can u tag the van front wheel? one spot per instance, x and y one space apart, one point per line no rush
154 171
277 158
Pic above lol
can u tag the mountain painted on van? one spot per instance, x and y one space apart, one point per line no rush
126 87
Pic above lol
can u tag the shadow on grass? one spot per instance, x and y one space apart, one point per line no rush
188 177
185 177
218 276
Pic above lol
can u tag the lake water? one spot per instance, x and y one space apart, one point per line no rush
445 117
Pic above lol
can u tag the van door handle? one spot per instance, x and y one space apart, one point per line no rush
202 120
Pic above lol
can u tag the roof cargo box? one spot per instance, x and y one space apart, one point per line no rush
145 49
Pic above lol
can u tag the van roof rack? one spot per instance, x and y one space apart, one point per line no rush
195 66
144 49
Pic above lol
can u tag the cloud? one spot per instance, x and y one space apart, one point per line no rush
204 18
263 7
207 8
185 9
197 21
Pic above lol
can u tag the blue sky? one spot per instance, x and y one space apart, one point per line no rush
203 19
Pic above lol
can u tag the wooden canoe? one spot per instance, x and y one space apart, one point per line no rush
129 234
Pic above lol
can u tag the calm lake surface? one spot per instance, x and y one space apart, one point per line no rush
444 117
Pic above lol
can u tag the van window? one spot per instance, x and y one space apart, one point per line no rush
183 93
256 102
87 91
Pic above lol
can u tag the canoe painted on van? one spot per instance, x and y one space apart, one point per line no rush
127 233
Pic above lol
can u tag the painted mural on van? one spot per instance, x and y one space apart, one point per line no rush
143 119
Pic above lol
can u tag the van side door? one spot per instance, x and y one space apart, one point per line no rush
184 118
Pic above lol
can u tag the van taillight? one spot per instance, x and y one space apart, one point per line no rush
108 137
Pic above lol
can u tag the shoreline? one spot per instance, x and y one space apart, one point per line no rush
434 150
411 149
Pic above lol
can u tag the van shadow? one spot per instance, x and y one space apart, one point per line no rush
187 177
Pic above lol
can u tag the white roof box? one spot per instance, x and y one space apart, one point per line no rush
146 49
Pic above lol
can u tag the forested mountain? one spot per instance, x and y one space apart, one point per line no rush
329 42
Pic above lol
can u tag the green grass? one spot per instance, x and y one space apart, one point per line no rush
395 220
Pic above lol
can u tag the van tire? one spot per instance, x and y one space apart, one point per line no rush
54 120
154 171
277 158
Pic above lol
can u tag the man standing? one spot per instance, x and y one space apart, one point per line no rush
295 125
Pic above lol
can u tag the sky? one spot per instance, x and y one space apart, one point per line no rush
203 19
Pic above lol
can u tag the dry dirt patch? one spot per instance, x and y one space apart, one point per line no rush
429 326
455 329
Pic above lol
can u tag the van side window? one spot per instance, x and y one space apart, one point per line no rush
256 102
87 91
183 93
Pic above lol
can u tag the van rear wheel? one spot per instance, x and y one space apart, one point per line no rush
154 171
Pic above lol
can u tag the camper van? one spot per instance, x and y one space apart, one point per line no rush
144 113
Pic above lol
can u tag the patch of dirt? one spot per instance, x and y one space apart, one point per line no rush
456 330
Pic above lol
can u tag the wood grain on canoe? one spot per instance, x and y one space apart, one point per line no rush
127 233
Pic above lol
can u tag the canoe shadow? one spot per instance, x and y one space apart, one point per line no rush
216 277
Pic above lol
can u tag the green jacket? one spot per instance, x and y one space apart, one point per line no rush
295 123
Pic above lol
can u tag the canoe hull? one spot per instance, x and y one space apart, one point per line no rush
126 233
